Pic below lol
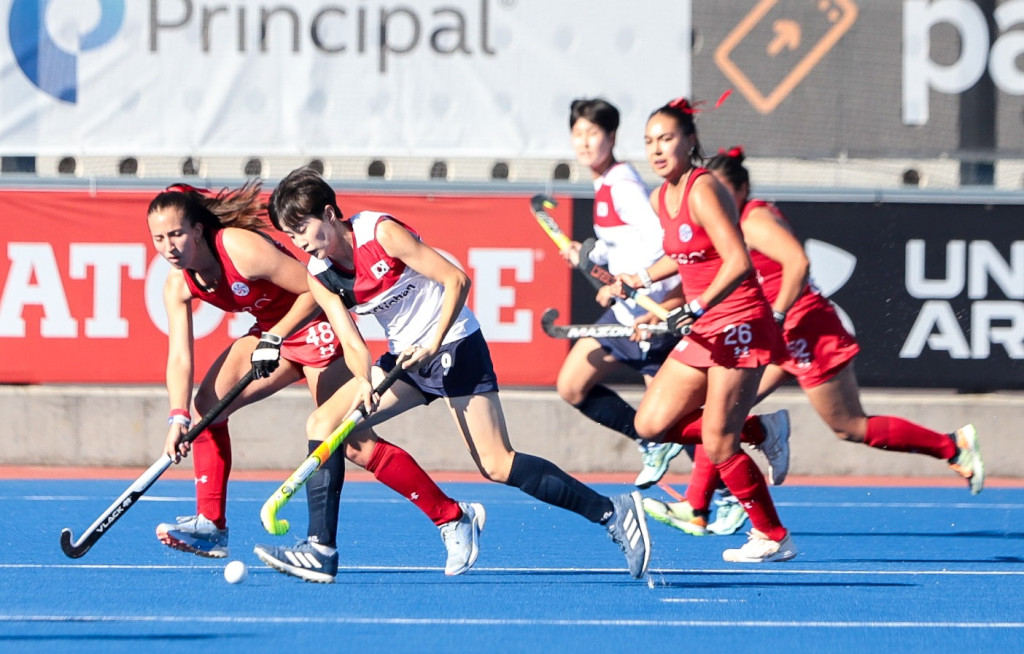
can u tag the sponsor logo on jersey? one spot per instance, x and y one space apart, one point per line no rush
685 233
601 209
240 289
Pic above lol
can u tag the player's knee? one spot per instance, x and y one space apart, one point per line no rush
495 468
647 429
318 426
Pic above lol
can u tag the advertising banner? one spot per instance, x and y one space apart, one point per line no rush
81 285
467 78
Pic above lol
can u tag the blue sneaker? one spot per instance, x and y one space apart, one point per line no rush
196 535
656 457
462 538
303 560
776 445
627 526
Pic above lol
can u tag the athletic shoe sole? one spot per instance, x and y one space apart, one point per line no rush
180 545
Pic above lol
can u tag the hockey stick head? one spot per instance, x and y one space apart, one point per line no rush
542 202
70 549
547 319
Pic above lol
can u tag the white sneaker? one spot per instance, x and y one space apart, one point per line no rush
196 535
462 538
776 445
760 549
656 457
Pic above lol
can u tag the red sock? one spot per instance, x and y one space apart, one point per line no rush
704 479
687 430
899 435
742 476
396 469
211 460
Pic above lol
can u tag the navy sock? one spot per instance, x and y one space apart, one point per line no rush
608 409
323 496
550 484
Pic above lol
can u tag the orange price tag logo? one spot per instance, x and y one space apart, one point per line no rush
780 35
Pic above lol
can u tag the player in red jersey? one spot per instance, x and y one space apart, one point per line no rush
732 338
821 350
375 265
220 255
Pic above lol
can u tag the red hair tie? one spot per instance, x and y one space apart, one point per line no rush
682 104
735 151
181 187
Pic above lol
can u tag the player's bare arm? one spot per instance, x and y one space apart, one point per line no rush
764 232
355 351
180 355
709 201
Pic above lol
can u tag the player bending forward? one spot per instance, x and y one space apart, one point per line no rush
374 265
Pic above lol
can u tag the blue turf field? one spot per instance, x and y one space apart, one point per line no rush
887 569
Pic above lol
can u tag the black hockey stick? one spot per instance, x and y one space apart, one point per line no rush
75 549
606 330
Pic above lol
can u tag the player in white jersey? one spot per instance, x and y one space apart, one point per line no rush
629 238
374 265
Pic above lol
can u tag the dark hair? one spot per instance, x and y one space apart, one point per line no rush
598 111
730 164
683 112
302 193
239 207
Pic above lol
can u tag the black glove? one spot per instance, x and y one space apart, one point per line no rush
679 320
267 355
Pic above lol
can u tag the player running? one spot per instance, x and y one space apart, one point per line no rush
375 265
719 363
221 256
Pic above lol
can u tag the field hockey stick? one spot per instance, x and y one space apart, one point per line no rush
76 548
539 205
302 474
603 330
597 275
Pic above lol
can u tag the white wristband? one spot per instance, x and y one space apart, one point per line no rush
645 277
696 308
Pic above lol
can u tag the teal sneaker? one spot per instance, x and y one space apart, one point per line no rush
677 514
729 515
968 463
656 457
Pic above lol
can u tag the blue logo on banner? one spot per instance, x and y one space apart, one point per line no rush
47 65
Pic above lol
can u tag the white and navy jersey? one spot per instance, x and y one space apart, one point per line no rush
406 303
629 234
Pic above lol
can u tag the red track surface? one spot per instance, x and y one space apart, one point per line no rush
83 472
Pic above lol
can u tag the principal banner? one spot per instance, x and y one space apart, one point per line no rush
464 78
81 285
